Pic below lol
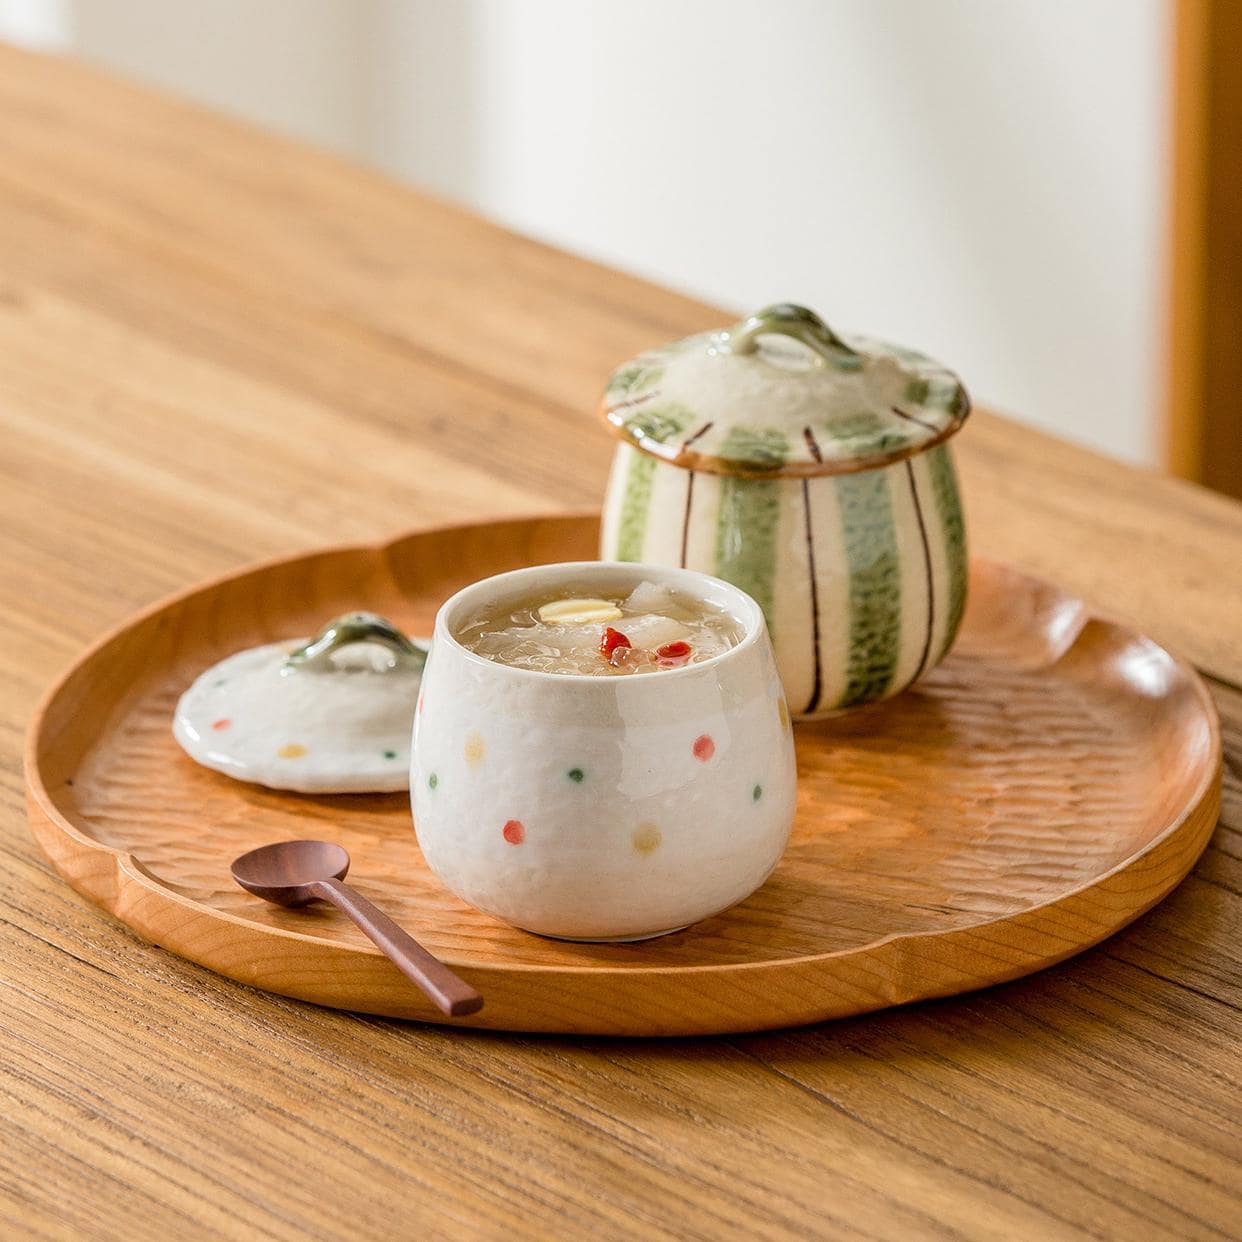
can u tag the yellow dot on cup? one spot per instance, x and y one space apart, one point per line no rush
474 747
646 838
294 750
782 710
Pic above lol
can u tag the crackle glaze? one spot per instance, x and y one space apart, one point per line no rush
602 808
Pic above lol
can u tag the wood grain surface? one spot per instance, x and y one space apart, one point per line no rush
217 346
1075 770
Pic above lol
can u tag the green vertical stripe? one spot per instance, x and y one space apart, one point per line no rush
746 527
875 584
635 505
749 515
949 510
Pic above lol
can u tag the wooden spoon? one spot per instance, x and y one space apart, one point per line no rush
295 873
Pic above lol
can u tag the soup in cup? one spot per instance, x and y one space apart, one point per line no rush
602 751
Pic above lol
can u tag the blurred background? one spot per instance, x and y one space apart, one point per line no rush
994 182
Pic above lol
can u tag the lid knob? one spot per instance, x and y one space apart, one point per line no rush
356 627
799 322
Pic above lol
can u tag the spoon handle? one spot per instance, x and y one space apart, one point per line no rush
451 994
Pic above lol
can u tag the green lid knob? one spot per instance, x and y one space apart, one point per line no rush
799 322
356 627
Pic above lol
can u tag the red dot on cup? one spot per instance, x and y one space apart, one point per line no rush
222 723
704 748
514 832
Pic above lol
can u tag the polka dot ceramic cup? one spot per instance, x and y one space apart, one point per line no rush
602 808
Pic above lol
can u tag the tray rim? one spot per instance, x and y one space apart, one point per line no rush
48 823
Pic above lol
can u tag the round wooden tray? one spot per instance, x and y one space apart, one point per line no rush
1053 779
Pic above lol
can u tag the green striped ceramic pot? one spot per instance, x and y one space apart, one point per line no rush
812 471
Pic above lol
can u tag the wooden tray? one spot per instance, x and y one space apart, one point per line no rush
1053 779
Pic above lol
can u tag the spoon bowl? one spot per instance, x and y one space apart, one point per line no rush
286 872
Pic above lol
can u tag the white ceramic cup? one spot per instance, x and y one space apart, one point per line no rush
602 808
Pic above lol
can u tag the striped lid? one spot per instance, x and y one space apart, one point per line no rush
782 394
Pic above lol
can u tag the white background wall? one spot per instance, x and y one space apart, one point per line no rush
980 178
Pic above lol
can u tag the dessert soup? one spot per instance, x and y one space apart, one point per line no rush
650 629
602 752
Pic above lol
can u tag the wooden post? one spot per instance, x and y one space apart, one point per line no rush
1203 439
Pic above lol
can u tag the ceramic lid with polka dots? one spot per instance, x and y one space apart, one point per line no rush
781 393
335 715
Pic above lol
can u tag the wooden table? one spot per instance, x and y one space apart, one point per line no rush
217 346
